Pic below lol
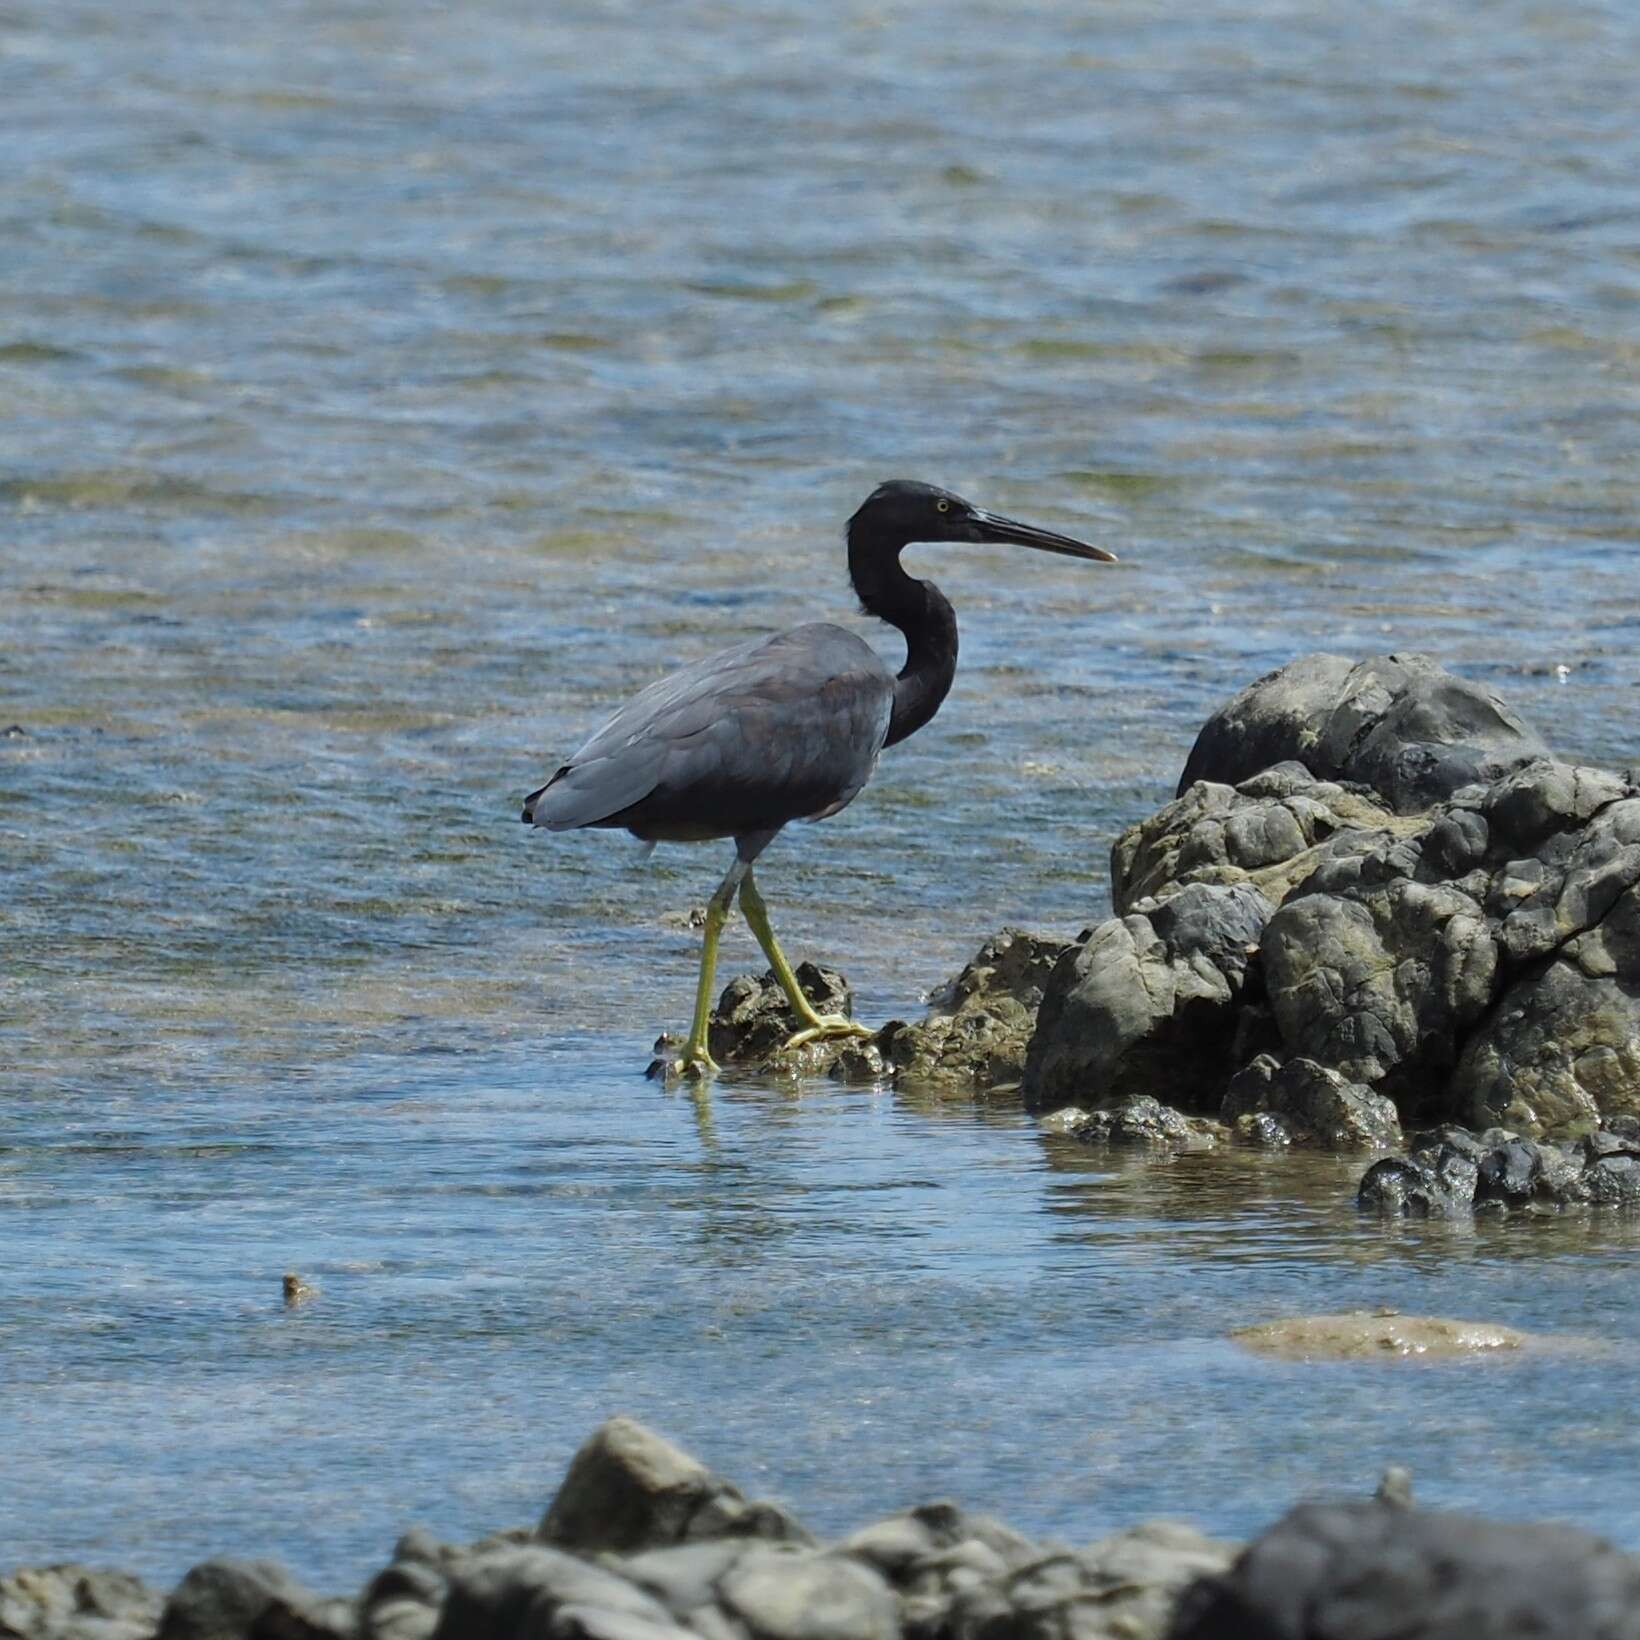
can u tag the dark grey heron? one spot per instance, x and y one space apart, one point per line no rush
783 728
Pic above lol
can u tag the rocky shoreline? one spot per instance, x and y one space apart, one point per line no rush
1379 915
644 1542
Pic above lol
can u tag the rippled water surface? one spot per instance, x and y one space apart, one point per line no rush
387 390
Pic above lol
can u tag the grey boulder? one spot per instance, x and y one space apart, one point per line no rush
1148 1002
1373 1572
1401 724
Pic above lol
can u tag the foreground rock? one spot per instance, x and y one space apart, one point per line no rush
1359 1335
1369 1571
643 1542
77 1603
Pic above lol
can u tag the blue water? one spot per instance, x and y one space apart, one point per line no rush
385 392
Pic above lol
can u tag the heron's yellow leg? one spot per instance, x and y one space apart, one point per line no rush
812 1027
695 1060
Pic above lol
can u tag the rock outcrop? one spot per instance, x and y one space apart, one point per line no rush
1451 923
1149 1002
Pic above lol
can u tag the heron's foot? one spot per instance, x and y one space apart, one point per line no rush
692 1063
822 1028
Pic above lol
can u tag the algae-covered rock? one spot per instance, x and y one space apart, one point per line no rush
977 1029
1272 830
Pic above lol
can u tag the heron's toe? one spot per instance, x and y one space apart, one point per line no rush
825 1027
695 1067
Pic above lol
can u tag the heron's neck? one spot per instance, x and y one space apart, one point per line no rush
922 612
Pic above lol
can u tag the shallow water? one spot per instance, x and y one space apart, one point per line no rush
384 392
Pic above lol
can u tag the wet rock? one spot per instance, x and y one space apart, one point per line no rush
71 1602
1138 1120
977 1030
1401 724
1270 831
753 1019
1148 1001
1371 1334
1452 1172
1367 1572
1308 1103
629 1488
1437 1181
229 1599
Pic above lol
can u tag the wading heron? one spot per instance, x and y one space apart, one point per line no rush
782 728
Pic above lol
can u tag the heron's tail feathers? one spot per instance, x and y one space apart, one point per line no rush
532 815
583 794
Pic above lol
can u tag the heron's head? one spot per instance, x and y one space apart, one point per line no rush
902 511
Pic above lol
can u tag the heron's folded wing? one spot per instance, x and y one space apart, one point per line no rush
756 731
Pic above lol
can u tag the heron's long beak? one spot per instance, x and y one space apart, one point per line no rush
990 526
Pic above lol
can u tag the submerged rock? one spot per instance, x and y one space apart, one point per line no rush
1367 1571
1375 1334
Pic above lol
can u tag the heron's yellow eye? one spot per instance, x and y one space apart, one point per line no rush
942 506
